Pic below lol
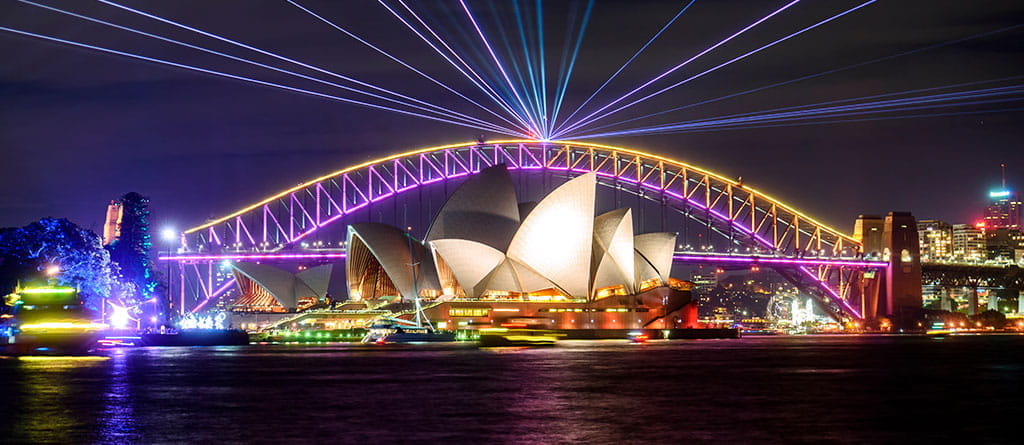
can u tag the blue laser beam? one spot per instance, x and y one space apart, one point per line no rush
271 54
233 76
464 69
572 62
726 63
816 75
501 68
680 65
624 65
815 113
397 60
836 121
820 105
530 66
470 119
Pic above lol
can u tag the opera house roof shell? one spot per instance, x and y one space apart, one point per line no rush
484 242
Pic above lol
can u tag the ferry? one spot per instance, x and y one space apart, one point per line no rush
48 320
395 330
502 336
523 331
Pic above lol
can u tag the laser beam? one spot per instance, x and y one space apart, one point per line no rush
684 63
468 119
271 54
232 76
727 63
397 60
629 61
471 75
501 68
813 76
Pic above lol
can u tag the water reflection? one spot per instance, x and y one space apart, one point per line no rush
117 422
44 404
751 390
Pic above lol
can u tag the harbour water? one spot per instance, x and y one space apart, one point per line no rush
811 389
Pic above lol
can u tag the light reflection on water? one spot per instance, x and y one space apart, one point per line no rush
44 395
117 423
766 390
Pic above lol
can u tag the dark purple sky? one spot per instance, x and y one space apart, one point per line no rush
78 128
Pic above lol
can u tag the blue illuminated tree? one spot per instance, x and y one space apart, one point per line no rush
26 252
131 249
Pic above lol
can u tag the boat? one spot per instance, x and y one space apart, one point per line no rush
638 337
517 336
48 320
196 337
395 330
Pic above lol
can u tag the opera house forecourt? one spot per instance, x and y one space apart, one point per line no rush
489 260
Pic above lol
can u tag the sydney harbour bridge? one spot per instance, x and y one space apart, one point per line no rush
719 221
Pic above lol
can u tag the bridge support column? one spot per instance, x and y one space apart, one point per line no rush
945 299
972 301
1020 302
903 277
993 301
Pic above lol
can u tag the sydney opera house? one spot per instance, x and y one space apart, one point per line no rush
489 259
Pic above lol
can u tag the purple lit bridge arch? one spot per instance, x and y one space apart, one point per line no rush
759 230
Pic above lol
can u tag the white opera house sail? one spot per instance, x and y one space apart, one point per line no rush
489 259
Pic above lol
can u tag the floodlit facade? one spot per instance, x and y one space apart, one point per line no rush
936 240
968 243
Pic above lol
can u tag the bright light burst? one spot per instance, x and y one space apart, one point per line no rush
520 86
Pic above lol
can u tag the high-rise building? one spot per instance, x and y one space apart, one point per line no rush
112 226
968 243
704 280
936 240
1004 210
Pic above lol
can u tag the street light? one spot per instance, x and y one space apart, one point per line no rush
170 235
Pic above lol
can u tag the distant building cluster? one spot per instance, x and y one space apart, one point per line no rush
996 238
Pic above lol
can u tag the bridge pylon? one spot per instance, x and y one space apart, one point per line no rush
893 239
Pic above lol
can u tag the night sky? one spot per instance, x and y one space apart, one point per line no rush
79 128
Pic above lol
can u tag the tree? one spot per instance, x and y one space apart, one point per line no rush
26 252
131 249
990 318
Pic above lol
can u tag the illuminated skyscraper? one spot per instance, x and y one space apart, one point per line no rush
1004 212
936 239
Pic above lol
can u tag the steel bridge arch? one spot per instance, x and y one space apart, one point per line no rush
287 217
280 221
